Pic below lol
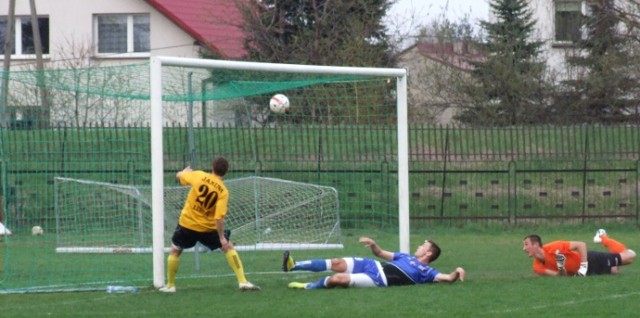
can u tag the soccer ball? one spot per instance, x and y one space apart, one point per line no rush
279 103
37 230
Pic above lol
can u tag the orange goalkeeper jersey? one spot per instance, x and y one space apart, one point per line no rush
206 202
571 264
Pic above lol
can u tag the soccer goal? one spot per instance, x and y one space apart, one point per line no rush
344 98
97 176
265 214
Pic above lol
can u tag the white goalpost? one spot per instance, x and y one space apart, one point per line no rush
158 188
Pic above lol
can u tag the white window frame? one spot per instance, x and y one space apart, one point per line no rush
130 38
17 40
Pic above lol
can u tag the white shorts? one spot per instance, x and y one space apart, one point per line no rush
365 272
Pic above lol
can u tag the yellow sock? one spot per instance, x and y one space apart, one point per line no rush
612 245
236 265
173 262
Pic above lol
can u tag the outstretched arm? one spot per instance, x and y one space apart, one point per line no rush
577 246
580 247
375 249
187 169
452 277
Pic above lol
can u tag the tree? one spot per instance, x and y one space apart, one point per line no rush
321 32
438 63
508 88
606 87
629 13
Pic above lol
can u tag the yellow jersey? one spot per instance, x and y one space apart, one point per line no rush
206 202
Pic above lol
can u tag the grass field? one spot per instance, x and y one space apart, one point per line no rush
499 283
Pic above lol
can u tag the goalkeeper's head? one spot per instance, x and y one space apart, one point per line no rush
220 166
534 238
532 245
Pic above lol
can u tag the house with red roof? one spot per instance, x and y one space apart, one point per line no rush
93 33
124 31
215 24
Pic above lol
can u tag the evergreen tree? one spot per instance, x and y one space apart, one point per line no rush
508 88
322 32
607 87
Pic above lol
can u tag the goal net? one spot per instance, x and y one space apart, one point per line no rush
118 135
319 95
264 214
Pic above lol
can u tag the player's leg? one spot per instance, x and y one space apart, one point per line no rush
338 265
603 263
212 241
612 245
181 239
233 259
338 280
173 263
357 272
627 255
315 285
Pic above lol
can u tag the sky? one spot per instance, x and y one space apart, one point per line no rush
433 8
428 10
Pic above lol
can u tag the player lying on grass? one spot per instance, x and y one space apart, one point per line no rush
400 268
569 258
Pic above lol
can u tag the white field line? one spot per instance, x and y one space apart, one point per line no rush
564 303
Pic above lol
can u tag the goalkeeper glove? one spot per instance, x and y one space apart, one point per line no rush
582 271
560 258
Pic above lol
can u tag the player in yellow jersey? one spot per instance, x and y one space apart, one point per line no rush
202 220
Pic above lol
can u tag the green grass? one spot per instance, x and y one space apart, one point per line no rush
499 283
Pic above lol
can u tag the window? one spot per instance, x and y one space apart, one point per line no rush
568 20
24 32
123 34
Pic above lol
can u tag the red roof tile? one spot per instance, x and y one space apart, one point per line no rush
214 23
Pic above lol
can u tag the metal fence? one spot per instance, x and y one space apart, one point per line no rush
525 174
499 175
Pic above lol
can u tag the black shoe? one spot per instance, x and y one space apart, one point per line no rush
287 262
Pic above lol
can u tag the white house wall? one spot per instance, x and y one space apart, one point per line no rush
71 21
553 53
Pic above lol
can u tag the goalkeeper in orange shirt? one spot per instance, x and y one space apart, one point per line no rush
202 220
571 258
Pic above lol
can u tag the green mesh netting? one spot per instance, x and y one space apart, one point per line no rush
93 124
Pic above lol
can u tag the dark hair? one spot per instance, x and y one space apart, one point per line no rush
220 166
534 238
435 251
